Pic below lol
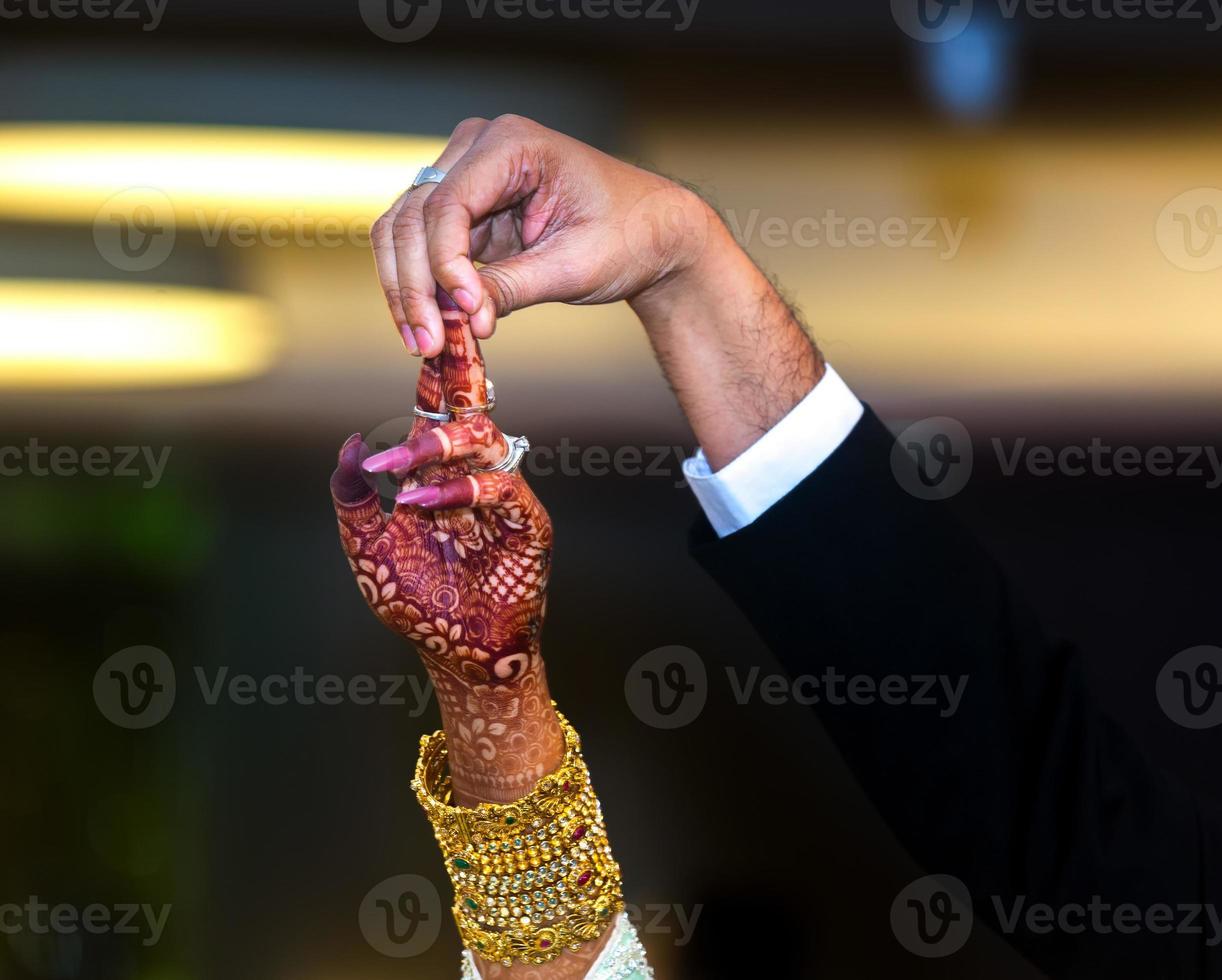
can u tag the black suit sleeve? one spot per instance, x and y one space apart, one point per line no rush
1027 789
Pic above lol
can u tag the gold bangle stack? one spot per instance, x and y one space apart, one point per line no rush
531 878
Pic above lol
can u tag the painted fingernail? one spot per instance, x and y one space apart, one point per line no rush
465 300
398 458
421 497
408 340
422 337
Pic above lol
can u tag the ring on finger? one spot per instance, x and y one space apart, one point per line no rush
518 447
427 175
424 413
461 411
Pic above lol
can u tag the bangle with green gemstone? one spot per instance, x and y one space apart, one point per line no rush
531 878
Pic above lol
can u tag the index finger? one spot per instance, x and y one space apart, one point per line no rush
463 382
490 177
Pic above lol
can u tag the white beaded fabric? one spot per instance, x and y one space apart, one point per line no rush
623 958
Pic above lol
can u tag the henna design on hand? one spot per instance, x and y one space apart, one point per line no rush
460 568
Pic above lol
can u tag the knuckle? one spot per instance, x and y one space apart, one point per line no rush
468 127
408 224
414 297
437 204
381 230
511 120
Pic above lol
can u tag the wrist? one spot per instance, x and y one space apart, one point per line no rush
733 350
503 739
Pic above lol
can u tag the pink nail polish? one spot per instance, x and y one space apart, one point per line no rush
422 338
465 300
397 458
408 341
421 497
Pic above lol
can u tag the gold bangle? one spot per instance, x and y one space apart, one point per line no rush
531 878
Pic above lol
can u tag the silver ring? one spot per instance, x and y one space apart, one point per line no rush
428 175
518 447
431 416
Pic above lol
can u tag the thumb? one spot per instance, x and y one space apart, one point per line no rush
522 280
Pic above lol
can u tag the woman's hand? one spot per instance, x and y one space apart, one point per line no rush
554 219
460 569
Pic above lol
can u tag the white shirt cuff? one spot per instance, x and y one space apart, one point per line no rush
783 457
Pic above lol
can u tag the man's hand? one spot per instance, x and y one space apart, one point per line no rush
554 220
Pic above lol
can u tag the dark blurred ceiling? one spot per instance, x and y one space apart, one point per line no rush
762 51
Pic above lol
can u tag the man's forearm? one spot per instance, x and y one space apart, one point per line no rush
730 346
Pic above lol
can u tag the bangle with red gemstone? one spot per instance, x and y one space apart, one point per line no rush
531 878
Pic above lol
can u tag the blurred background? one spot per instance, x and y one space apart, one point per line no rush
1010 218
